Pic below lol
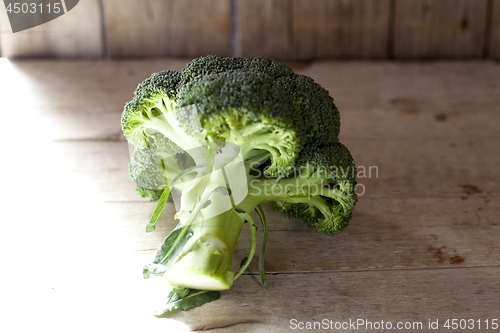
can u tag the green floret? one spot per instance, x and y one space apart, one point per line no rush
268 66
163 145
332 198
217 64
250 110
315 105
164 81
153 111
209 65
321 193
145 169
329 212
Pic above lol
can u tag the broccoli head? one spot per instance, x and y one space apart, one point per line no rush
229 134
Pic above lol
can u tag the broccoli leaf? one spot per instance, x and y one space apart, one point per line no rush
159 209
192 299
166 254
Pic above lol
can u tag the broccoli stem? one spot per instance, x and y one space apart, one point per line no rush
336 195
164 127
315 201
205 261
262 271
307 187
253 244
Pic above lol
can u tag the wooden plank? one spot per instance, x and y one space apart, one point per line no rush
392 296
339 29
399 163
467 83
340 297
439 28
77 33
494 42
102 122
88 108
447 165
52 75
405 122
167 28
462 102
415 90
264 28
426 100
384 234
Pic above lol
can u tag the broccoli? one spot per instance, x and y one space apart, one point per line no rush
229 134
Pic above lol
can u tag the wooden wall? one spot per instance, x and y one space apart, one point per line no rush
75 34
294 30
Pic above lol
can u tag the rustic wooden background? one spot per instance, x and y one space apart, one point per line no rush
291 30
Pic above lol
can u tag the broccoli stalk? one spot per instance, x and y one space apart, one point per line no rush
205 261
208 215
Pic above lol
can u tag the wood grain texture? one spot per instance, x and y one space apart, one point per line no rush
422 243
426 115
90 107
412 100
448 165
167 28
434 101
465 237
77 34
339 29
439 28
264 28
388 296
494 46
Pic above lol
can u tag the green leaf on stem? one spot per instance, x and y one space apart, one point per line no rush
159 209
192 299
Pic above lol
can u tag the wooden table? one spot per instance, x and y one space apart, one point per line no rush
423 243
